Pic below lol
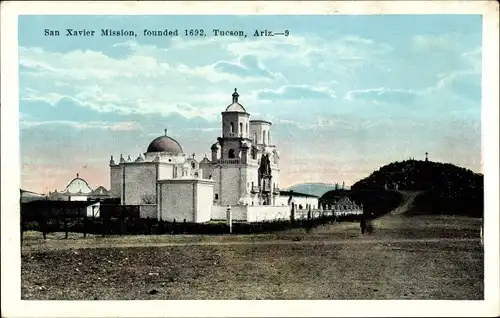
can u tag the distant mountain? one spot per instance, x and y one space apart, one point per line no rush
317 189
445 188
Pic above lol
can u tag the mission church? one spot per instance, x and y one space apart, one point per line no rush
242 173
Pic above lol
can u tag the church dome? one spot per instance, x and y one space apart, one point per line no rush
165 144
235 106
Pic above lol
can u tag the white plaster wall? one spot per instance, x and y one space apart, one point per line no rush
204 195
281 200
78 198
218 212
165 171
238 212
304 201
206 168
267 213
148 211
177 201
140 181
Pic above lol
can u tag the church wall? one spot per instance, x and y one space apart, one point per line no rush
252 213
165 171
206 169
116 181
177 201
276 177
267 213
238 213
204 200
230 185
236 119
140 183
304 201
259 127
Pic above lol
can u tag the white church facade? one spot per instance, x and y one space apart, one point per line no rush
243 172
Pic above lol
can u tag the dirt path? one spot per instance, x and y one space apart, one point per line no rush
407 204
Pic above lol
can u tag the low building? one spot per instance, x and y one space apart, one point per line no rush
28 196
79 190
302 201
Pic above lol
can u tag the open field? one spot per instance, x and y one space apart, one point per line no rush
425 257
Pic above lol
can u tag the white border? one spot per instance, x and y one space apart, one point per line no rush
12 306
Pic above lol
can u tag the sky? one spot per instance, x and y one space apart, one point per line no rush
346 94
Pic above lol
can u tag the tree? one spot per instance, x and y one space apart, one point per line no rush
148 199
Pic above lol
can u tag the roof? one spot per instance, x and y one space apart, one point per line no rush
78 185
236 108
260 121
100 191
297 194
165 144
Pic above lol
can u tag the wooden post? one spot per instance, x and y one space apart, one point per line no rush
22 228
121 220
229 219
85 223
65 222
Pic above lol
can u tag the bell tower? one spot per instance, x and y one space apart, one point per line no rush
235 129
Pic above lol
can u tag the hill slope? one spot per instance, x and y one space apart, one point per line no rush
445 188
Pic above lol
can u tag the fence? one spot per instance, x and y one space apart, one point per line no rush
123 220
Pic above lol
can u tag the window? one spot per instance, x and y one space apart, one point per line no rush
241 129
196 174
193 165
216 196
231 128
263 136
254 137
230 154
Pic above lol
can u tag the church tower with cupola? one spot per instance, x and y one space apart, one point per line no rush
236 159
235 130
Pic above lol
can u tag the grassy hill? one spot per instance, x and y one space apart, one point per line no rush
445 188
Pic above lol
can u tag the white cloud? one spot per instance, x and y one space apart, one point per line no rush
383 95
116 126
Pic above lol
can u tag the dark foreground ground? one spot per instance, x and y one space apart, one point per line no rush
425 257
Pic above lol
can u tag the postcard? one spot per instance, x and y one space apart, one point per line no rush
250 159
